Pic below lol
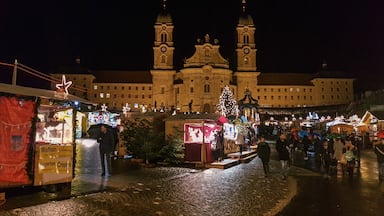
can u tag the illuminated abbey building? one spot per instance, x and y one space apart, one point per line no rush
200 81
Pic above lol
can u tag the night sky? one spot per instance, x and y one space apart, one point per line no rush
291 36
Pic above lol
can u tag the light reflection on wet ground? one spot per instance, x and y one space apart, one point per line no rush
241 190
342 194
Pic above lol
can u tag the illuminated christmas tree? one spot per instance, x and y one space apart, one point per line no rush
227 105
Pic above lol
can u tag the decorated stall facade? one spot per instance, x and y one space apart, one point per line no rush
199 141
37 128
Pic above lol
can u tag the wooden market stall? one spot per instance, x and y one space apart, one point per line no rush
37 142
341 128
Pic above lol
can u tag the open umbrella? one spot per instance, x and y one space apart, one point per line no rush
94 131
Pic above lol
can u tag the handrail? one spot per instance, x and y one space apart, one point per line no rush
39 74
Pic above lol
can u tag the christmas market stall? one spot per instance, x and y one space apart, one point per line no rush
199 140
338 127
37 136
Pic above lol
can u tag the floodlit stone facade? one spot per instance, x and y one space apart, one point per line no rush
199 83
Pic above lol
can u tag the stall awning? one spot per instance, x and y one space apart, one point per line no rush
42 93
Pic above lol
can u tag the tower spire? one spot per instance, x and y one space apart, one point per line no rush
244 5
164 5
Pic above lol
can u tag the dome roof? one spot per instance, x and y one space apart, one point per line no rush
246 19
164 17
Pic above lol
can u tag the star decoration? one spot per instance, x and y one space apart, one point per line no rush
104 108
64 85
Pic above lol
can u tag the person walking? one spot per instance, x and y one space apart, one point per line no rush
306 143
282 148
338 147
379 151
106 147
264 153
240 142
326 155
349 155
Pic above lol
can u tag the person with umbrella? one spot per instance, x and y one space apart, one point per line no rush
106 147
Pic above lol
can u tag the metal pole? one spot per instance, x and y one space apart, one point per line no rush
14 75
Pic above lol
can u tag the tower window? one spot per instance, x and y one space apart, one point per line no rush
163 37
246 39
163 59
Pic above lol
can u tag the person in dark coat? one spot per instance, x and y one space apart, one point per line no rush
326 155
264 153
379 151
306 143
282 148
106 147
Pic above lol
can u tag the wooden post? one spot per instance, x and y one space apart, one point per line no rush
2 198
14 75
203 148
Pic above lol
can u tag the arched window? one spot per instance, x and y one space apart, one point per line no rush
246 39
206 88
163 59
163 37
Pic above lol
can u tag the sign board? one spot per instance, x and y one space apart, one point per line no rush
54 164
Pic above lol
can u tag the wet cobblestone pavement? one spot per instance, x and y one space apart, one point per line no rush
240 190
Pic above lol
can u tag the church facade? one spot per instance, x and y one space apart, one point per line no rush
197 86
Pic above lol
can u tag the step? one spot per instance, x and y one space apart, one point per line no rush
237 155
248 158
224 164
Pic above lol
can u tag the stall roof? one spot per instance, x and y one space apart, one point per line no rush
42 93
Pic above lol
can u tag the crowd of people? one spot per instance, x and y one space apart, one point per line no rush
330 153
